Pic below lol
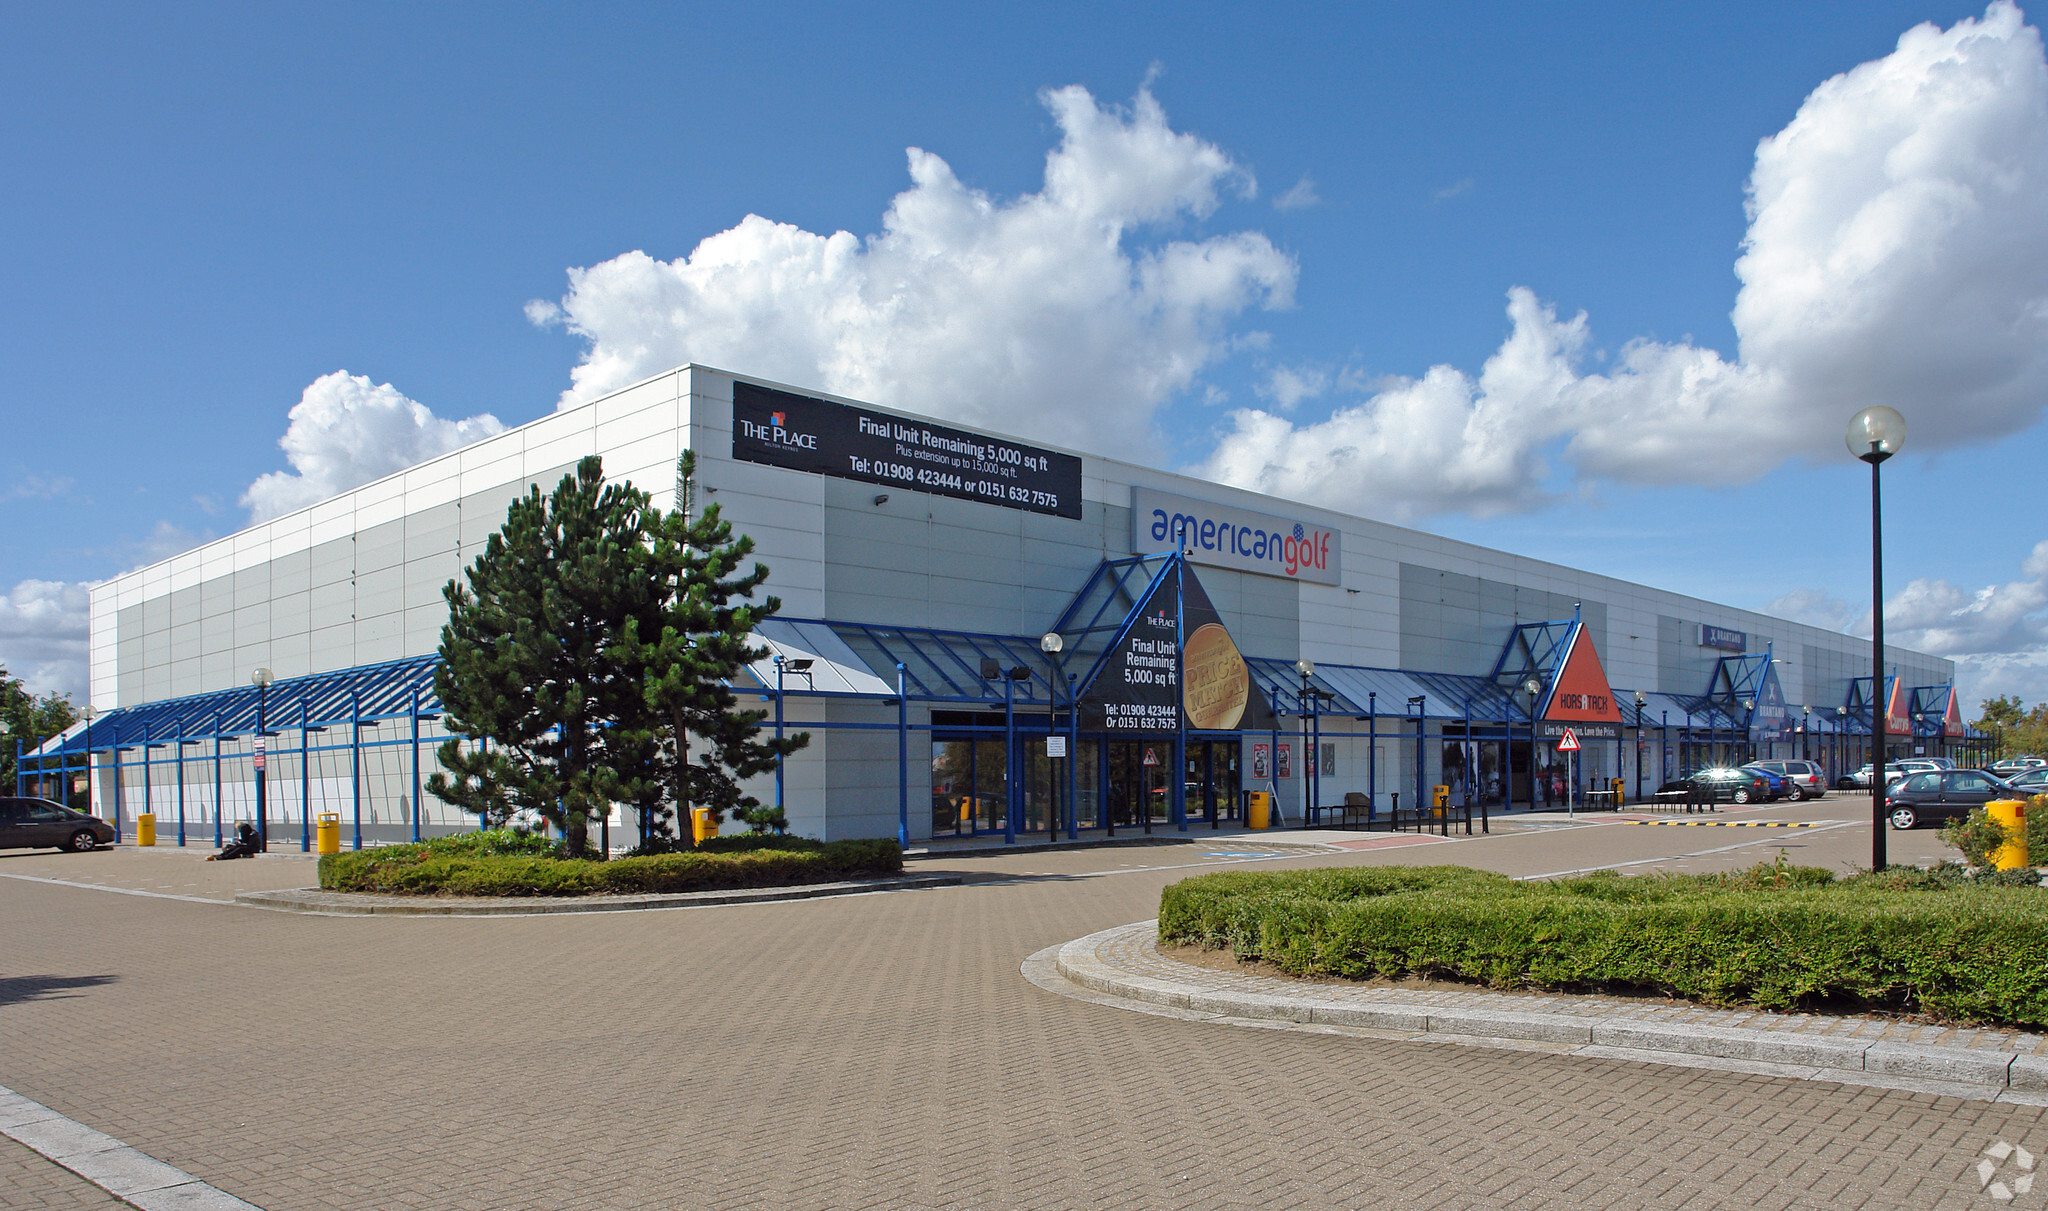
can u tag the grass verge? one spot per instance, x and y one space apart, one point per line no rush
510 864
1773 937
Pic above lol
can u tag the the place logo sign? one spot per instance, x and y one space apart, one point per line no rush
828 438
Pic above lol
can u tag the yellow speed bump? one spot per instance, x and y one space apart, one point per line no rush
1731 823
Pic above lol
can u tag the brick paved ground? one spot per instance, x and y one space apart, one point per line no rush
882 1051
29 1182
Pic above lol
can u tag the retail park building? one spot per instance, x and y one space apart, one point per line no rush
1249 642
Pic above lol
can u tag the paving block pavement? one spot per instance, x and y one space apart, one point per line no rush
876 1051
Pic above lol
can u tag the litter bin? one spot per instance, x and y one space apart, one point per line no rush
1259 814
327 832
2012 814
701 827
145 828
1439 801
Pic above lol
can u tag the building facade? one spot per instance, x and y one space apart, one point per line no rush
1371 659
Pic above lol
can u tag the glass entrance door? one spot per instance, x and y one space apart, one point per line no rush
1137 778
1213 781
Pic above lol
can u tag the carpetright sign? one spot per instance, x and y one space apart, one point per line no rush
1225 536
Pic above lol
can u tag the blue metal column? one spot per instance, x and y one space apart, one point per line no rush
1073 762
1009 759
1372 755
216 780
902 755
1179 773
181 784
355 759
415 764
146 778
305 782
778 734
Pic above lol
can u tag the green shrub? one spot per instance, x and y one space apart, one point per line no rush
474 868
1775 936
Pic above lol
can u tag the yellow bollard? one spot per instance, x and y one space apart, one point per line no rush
145 828
1259 813
327 833
2012 814
701 827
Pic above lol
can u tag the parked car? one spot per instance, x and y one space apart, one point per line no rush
1941 795
1719 785
2033 781
35 823
1894 770
2014 765
1808 782
1780 785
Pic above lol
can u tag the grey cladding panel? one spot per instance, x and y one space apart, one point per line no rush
1455 623
292 572
185 606
333 561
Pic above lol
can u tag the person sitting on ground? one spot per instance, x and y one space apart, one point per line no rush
245 845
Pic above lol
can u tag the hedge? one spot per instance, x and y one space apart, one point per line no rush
1774 937
475 864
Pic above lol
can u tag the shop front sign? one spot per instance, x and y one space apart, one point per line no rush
1225 536
818 435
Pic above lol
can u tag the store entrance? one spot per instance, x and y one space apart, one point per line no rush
1140 795
1213 781
1136 776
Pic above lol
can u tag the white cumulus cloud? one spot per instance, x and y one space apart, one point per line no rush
1897 253
43 636
1065 314
345 432
1997 634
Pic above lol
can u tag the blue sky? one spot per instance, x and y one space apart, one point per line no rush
208 213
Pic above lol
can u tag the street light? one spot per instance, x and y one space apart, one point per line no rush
1874 435
801 667
1534 689
1052 645
261 679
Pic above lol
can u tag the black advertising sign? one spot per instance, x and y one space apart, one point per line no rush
1174 665
1138 686
806 434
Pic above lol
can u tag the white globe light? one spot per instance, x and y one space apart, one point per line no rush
1876 433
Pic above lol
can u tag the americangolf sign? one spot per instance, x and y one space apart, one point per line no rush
1227 537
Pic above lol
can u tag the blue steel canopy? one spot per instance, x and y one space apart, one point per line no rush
371 691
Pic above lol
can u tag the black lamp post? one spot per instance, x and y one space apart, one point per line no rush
1052 644
1874 435
261 680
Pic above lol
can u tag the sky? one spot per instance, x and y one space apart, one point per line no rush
1595 283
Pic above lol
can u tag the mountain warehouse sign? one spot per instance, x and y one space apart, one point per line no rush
1225 536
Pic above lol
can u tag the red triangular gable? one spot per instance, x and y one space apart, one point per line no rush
1896 720
1580 690
1952 719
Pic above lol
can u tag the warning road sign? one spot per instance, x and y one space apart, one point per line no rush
1570 743
1151 758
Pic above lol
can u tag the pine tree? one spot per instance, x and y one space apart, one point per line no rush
536 662
700 642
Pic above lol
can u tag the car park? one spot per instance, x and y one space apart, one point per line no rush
37 823
1718 785
2014 765
1940 795
1808 782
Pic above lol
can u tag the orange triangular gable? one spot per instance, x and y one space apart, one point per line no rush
1895 719
1952 719
1580 690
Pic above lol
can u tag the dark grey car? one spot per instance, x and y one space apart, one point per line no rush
1938 796
36 823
